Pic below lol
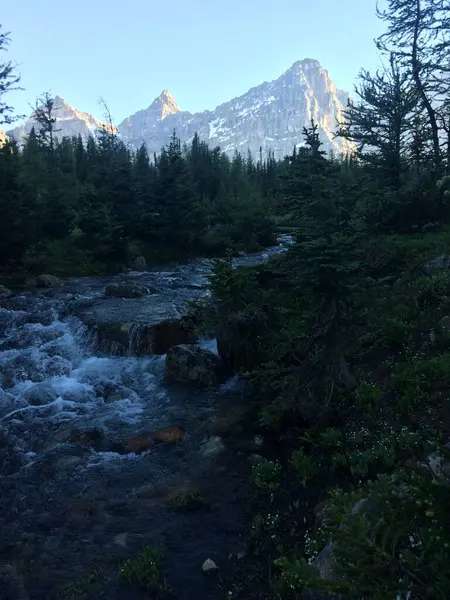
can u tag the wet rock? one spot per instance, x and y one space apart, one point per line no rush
61 457
145 441
169 435
138 327
192 364
21 368
92 437
56 366
40 394
11 584
126 290
139 443
116 397
9 403
209 567
45 317
213 446
140 264
47 281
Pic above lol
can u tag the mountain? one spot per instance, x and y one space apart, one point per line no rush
270 116
70 121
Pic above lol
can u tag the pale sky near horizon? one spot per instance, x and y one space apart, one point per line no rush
204 52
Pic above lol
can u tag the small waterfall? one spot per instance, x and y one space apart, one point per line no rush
140 340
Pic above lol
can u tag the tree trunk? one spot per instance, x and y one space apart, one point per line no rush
421 89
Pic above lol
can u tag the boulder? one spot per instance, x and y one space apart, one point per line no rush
209 567
139 443
191 364
169 435
47 281
145 441
140 339
140 264
91 437
126 290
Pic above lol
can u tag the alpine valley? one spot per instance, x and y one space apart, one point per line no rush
269 117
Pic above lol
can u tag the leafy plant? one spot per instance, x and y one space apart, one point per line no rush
303 466
145 571
267 476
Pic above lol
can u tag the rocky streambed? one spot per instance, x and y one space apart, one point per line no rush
98 451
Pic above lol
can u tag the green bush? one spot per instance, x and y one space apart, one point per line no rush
303 466
267 476
144 571
390 539
368 396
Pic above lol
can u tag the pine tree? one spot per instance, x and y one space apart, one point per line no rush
380 122
326 265
8 81
418 37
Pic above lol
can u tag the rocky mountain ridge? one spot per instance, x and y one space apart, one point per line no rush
70 121
270 117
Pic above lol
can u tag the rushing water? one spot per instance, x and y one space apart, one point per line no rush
68 507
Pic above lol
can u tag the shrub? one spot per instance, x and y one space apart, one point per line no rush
144 571
267 476
303 465
390 539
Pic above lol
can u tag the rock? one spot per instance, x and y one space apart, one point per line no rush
213 446
92 437
40 394
11 584
47 281
126 290
9 403
256 459
209 567
192 364
258 440
137 326
61 457
444 325
139 443
140 264
145 441
169 435
441 262
114 398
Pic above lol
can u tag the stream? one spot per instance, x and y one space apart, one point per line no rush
67 506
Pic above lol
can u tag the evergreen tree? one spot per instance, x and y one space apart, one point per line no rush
418 37
8 81
380 122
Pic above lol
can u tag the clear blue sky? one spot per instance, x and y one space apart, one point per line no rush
203 51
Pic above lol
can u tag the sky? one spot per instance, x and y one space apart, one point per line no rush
204 52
